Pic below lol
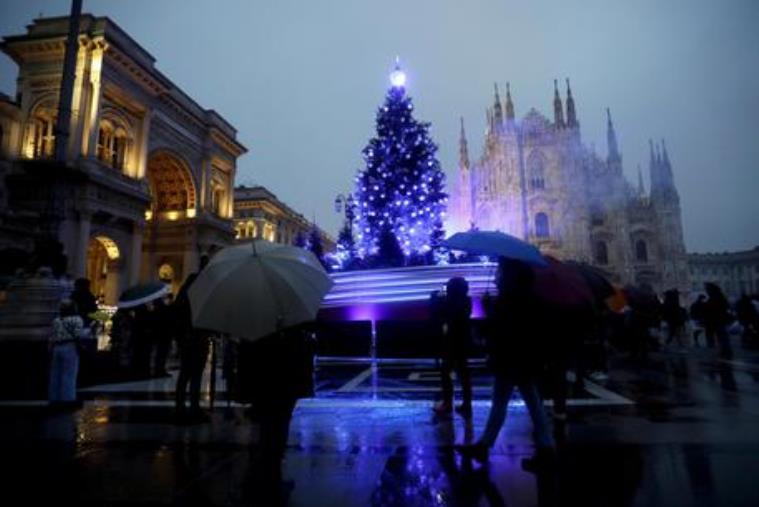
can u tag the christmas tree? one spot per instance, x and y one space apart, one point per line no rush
400 190
315 244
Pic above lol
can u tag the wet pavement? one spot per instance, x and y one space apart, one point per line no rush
680 429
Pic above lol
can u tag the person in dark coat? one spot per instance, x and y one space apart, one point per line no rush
456 341
748 317
697 313
85 301
163 334
142 337
674 315
716 319
275 372
193 352
515 358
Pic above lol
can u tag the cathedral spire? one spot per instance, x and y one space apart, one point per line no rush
463 148
571 115
558 111
497 111
641 188
653 167
509 104
611 139
663 190
665 156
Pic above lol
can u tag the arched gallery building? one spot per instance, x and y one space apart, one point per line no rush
147 187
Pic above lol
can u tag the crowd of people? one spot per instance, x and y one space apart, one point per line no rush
529 344
532 344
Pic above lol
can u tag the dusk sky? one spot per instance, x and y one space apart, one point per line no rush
301 80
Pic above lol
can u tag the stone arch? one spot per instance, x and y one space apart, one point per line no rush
171 182
103 256
39 137
115 139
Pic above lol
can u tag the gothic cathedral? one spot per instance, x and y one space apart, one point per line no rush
537 180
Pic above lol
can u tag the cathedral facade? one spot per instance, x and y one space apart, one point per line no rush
536 180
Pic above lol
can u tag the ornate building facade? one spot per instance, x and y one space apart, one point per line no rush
537 180
259 214
737 273
147 183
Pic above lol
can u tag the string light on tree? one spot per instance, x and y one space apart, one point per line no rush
401 185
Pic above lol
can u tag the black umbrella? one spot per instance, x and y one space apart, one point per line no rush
596 280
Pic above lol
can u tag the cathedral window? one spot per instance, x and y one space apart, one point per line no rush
641 251
112 145
596 214
40 136
536 171
602 253
541 225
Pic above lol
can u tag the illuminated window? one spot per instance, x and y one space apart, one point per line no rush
112 145
40 136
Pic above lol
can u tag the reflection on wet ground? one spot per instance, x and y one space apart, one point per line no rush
680 429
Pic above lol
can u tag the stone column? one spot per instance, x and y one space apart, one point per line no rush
91 122
135 254
139 168
79 260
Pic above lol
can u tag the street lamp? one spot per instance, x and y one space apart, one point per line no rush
349 204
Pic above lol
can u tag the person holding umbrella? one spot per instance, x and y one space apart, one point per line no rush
515 358
193 352
277 371
265 295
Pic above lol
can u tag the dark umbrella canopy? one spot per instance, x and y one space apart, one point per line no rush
143 293
596 279
561 284
495 243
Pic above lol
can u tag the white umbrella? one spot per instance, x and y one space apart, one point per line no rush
255 289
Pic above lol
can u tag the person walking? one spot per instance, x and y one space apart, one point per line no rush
276 371
162 335
193 353
747 315
697 314
456 341
515 360
716 319
68 330
675 316
142 336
